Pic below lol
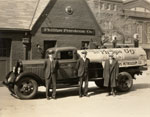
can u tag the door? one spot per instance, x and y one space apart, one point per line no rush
5 45
4 68
67 64
49 44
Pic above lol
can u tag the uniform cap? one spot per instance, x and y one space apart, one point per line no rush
84 52
50 52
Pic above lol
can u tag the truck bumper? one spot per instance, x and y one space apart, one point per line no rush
9 83
143 68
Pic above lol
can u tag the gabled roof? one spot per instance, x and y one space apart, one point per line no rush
120 1
136 3
20 14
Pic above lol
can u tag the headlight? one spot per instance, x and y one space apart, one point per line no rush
19 67
19 70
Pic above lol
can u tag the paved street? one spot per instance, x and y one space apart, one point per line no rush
135 103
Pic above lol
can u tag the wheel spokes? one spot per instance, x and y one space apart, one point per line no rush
26 88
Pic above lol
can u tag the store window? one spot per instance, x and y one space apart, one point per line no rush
148 33
128 29
85 44
112 7
139 31
63 55
106 6
115 8
102 7
96 4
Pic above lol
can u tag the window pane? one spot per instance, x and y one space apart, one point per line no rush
66 55
148 33
5 45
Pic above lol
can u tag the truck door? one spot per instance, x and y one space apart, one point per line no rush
67 64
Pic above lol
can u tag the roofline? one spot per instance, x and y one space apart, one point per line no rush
14 29
113 1
62 48
36 7
127 2
42 17
94 19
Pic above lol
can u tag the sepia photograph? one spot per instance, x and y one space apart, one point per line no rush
74 58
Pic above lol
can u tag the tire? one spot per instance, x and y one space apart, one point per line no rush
11 88
124 82
100 83
26 88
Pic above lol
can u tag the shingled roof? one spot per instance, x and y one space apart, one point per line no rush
20 14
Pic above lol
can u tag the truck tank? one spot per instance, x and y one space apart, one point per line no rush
127 57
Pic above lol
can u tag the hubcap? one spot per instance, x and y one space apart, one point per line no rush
26 87
125 82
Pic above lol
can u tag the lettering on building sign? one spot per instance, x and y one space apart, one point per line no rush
53 30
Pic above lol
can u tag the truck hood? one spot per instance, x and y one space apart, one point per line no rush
34 61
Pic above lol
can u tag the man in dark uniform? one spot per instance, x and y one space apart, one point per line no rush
51 68
136 40
114 41
110 73
40 50
82 67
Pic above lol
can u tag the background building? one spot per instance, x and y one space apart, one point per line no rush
124 19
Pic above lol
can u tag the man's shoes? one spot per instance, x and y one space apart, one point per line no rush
54 97
109 94
86 95
48 98
80 96
114 94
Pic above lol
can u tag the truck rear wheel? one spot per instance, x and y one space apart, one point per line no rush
100 83
124 82
26 88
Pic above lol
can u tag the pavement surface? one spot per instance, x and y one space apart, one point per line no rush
135 103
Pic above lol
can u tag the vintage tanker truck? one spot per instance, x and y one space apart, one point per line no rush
30 74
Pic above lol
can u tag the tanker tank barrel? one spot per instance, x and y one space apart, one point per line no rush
126 56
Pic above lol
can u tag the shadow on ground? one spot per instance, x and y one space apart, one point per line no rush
72 92
92 91
136 87
140 86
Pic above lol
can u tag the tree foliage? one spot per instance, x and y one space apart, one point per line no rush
117 24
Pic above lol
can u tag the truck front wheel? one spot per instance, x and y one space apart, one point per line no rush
100 83
26 88
124 82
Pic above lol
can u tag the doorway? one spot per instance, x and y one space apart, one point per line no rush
5 47
49 44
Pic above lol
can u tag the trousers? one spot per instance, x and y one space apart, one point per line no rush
51 82
83 90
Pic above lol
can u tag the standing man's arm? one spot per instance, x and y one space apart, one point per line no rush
45 64
88 63
57 65
77 67
117 69
104 69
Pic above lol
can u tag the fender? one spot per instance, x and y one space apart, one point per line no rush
30 74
